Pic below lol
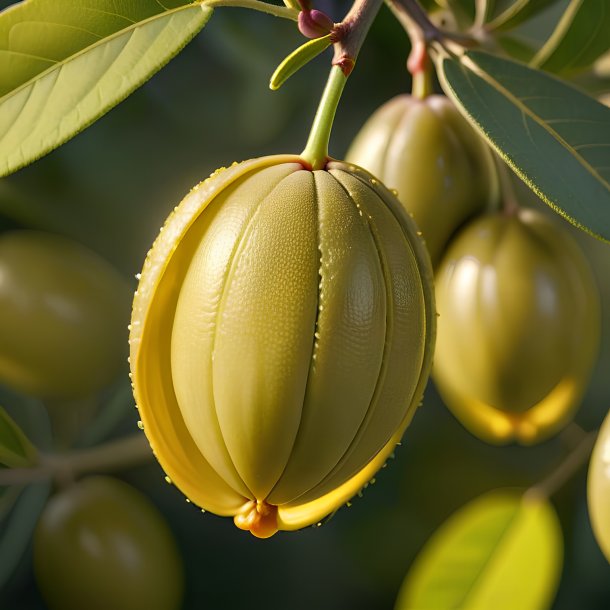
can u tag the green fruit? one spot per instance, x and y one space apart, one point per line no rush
63 312
598 488
281 339
519 327
428 153
102 545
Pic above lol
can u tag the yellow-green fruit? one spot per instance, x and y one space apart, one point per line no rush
102 545
281 339
519 327
428 153
598 490
63 312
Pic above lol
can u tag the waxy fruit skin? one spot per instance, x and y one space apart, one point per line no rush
100 544
598 488
519 325
426 151
63 311
281 339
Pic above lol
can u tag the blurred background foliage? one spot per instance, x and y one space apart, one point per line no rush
111 189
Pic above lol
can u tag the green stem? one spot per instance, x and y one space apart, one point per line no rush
558 478
316 150
256 5
349 36
507 197
114 455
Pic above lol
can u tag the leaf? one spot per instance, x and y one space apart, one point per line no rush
297 59
556 138
16 451
30 415
501 551
116 408
64 63
581 36
16 533
516 13
516 48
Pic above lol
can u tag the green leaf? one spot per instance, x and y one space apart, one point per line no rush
501 551
464 10
556 138
516 48
517 12
297 59
16 451
18 527
581 36
118 405
64 63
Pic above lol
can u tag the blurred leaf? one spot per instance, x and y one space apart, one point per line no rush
117 406
16 451
556 138
30 415
464 10
63 64
16 532
8 497
516 48
517 12
501 551
581 36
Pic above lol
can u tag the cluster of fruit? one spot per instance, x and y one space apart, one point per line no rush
284 325
63 312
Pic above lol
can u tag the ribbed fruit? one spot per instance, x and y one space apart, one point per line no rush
63 312
519 327
598 488
281 339
424 149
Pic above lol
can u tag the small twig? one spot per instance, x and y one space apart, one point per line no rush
349 35
263 7
416 22
557 479
114 455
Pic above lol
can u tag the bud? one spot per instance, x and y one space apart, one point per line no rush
426 151
519 327
314 23
281 339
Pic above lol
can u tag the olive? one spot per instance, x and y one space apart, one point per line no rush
63 316
281 339
598 488
426 151
100 545
519 326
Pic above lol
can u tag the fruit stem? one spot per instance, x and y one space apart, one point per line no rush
559 477
287 12
114 455
420 67
347 38
316 149
508 199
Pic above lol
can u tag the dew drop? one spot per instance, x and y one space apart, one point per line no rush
140 425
